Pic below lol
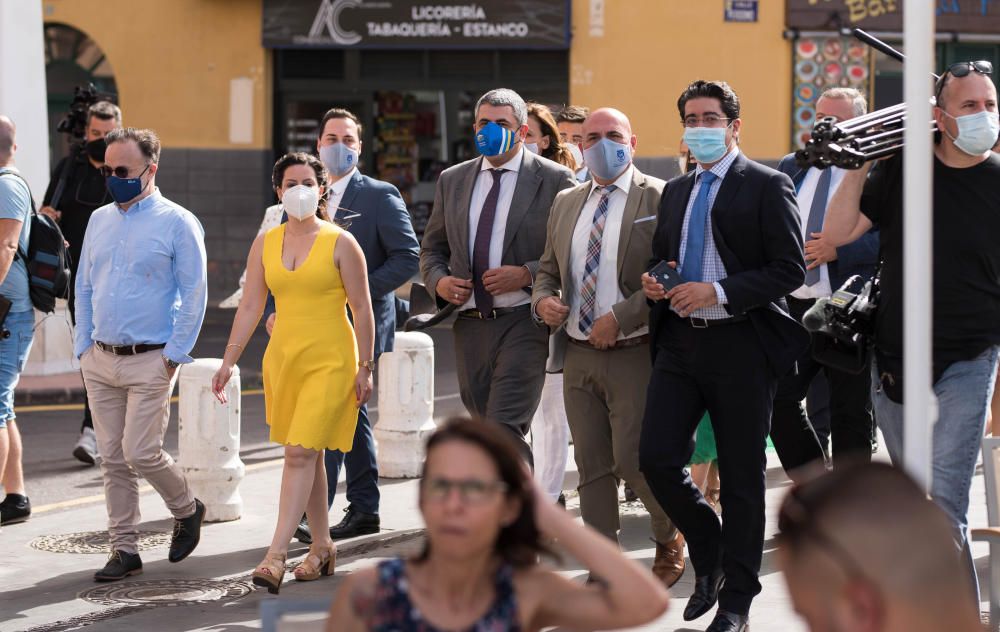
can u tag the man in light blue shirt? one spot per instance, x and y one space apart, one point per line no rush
140 302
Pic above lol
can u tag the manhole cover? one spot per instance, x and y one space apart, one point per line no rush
167 592
94 542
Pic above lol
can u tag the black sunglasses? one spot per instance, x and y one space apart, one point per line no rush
962 69
119 172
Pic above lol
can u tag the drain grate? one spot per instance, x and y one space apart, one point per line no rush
166 592
94 542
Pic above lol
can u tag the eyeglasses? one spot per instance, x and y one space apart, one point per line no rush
120 172
709 120
796 522
962 69
471 491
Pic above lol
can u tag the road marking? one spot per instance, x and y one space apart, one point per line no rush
45 408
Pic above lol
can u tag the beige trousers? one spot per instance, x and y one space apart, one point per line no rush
605 393
130 401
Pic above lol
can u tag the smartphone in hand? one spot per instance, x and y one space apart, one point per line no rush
666 276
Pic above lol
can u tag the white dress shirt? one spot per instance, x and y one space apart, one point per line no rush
608 291
484 181
337 193
807 190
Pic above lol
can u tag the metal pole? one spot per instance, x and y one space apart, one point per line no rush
920 404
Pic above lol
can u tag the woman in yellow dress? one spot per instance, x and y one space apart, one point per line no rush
317 368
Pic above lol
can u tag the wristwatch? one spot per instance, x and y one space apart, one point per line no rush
368 364
170 363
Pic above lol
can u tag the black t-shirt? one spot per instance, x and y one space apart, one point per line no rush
966 258
85 192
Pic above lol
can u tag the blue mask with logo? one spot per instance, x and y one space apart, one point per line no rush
123 190
607 159
493 140
707 144
338 158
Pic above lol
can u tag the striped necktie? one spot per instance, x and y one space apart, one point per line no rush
588 289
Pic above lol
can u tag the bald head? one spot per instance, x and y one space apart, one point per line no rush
607 118
8 133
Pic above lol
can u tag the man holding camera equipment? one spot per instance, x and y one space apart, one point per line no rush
827 269
75 191
966 283
17 320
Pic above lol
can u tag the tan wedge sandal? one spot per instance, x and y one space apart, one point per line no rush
270 572
317 563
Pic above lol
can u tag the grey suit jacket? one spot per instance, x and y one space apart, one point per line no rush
445 247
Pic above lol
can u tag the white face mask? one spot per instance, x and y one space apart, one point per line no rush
577 154
532 147
300 201
977 133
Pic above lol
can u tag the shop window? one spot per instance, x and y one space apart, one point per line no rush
448 64
391 64
310 64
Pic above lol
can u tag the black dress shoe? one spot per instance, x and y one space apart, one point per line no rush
303 534
355 523
726 621
706 593
187 533
120 565
15 508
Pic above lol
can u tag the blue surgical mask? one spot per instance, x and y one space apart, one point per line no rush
707 144
977 133
125 190
607 159
338 158
493 140
532 147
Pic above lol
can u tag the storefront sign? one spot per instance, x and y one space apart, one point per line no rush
402 24
740 10
953 16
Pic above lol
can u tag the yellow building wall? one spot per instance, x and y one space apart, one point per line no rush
650 50
173 62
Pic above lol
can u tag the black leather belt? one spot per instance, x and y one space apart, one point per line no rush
624 343
127 350
705 323
493 313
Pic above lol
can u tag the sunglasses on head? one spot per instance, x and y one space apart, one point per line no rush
119 172
962 69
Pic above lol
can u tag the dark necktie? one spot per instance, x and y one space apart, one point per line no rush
694 252
481 247
817 211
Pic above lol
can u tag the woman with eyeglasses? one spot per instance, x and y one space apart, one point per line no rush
317 368
487 525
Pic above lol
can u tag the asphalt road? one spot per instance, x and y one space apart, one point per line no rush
52 475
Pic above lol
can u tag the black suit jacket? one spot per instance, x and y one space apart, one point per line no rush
755 223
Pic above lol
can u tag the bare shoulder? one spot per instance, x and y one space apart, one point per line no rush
537 584
360 587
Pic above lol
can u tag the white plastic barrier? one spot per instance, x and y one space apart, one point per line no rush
209 440
405 405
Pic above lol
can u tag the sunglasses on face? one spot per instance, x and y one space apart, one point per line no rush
962 69
119 172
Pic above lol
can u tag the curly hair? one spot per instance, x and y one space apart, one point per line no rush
302 158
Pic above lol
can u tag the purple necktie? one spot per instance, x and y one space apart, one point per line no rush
481 248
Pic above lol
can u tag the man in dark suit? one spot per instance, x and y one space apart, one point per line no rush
720 341
797 437
480 252
385 233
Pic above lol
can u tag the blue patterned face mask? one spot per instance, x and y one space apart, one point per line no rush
607 159
338 158
493 140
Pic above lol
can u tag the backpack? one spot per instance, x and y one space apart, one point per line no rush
47 259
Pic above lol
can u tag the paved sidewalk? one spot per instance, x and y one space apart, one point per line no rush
52 591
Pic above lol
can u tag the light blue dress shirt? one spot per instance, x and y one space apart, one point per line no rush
142 278
713 270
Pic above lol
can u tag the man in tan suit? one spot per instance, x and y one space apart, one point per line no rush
588 287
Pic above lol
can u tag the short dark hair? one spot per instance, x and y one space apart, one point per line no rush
106 111
339 113
146 139
713 90
572 114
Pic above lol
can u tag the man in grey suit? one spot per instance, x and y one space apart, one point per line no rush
589 289
480 252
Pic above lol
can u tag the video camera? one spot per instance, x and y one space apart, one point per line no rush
75 122
844 325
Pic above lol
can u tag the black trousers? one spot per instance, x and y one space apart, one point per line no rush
850 409
725 371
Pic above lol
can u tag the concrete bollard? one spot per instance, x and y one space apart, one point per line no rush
209 440
405 405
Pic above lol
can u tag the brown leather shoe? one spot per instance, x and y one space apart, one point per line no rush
668 564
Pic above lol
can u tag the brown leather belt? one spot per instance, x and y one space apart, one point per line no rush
127 350
493 313
621 344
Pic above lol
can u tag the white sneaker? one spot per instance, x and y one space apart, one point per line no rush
86 447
